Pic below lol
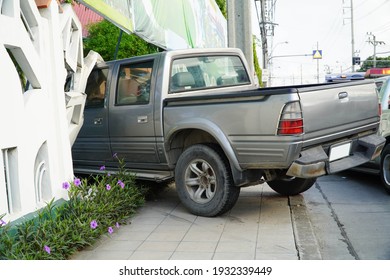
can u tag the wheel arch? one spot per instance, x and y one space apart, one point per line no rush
198 132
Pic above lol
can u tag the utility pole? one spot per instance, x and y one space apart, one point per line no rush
318 68
301 76
352 35
374 42
263 32
266 26
240 28
352 38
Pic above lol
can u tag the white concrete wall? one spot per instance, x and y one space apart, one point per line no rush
37 125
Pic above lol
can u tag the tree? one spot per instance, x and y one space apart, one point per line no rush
381 62
222 6
103 38
258 71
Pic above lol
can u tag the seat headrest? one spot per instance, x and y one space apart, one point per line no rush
183 79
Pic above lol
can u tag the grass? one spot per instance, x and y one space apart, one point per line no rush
97 205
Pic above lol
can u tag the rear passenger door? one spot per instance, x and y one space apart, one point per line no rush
92 146
131 123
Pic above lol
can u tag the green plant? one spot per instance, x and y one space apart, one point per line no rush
258 71
103 38
69 1
97 205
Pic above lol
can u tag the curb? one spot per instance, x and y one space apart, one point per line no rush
305 240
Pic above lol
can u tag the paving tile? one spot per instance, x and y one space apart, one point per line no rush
111 255
192 256
239 235
276 249
150 214
132 235
119 245
183 213
234 256
138 227
236 247
241 229
242 220
169 228
176 221
195 246
166 236
158 246
141 220
202 234
150 255
216 222
275 256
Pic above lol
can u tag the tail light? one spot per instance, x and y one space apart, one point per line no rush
380 108
291 120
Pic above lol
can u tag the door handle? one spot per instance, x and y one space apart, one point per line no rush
98 121
343 95
142 119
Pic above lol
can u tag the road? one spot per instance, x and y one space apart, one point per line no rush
350 216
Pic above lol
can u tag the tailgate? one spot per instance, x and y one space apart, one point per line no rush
339 108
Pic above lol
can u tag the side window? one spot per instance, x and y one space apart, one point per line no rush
207 72
133 86
96 88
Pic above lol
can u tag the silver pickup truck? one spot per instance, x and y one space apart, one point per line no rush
197 116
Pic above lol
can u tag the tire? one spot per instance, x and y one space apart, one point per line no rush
292 186
385 168
204 182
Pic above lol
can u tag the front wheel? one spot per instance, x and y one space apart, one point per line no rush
291 186
204 182
385 168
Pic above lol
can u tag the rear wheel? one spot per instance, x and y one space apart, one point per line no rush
291 186
204 182
385 168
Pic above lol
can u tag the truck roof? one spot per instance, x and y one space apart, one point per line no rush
172 53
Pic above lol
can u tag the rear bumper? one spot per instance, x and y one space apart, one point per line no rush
315 162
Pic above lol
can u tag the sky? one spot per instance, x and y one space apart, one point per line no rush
304 23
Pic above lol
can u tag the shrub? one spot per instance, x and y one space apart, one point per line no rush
97 205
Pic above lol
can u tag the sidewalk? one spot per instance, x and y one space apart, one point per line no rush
259 227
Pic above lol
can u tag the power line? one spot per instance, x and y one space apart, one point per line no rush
376 8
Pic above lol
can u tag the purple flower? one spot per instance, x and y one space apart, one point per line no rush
110 230
47 249
117 225
102 168
120 183
108 174
65 185
93 224
115 155
2 223
108 187
77 182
